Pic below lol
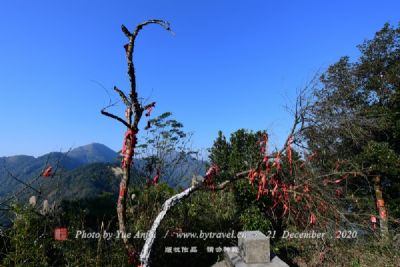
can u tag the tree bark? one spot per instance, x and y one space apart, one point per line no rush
380 204
135 108
121 210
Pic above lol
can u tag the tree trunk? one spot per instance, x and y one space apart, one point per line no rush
380 204
127 157
121 211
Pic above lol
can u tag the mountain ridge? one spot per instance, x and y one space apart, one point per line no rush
74 151
79 161
25 167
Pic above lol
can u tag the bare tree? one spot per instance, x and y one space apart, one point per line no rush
133 115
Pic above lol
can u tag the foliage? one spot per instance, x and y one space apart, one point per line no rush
241 152
220 154
203 211
355 116
167 147
253 220
30 243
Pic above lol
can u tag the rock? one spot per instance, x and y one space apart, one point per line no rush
197 179
253 251
253 247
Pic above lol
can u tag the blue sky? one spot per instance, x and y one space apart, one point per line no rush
231 64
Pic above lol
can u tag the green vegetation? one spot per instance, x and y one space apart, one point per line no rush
351 126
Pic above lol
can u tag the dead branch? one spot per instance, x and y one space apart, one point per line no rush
131 68
10 174
133 108
123 97
105 113
171 202
168 204
29 185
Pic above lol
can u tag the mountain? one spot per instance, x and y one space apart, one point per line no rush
180 168
87 170
86 181
84 172
25 168
92 153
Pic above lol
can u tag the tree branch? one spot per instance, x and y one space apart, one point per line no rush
171 202
20 181
168 204
126 31
123 97
131 68
152 104
105 113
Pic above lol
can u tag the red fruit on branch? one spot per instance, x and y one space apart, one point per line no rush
274 190
149 110
211 172
262 185
322 207
259 192
302 165
128 112
277 161
264 144
285 209
214 169
337 167
122 192
312 156
127 153
380 203
339 192
313 218
341 178
309 158
285 192
306 189
156 177
47 172
274 204
382 213
251 176
373 222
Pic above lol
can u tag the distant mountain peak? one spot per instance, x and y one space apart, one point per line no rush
94 152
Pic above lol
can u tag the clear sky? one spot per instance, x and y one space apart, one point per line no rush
232 64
